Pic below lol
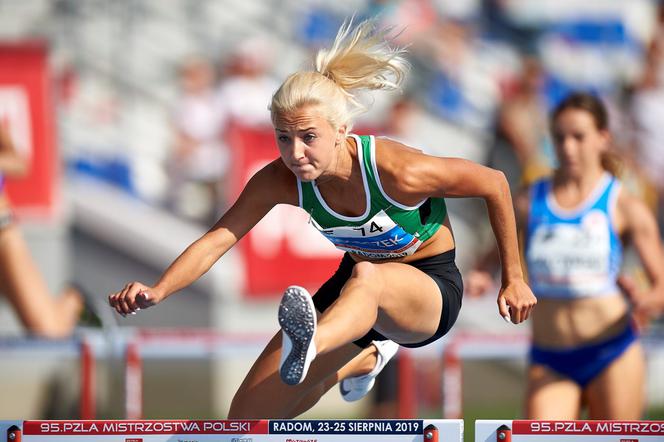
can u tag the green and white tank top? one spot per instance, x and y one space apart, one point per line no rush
387 229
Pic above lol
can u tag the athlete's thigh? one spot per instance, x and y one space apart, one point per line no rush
410 303
20 279
17 264
618 391
263 394
551 396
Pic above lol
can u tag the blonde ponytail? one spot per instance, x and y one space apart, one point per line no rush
362 59
359 59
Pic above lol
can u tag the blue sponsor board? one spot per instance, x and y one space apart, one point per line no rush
346 426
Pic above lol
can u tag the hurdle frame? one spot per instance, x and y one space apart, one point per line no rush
82 347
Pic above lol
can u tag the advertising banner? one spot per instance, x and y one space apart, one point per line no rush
596 431
240 430
26 110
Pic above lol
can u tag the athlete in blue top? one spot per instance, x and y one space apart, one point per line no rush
376 199
585 348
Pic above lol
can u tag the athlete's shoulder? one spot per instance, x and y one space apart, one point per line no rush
631 211
538 182
395 157
538 188
277 170
405 172
276 179
395 147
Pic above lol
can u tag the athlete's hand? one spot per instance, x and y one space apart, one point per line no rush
516 301
477 283
134 297
646 305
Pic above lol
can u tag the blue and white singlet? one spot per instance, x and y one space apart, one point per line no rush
573 253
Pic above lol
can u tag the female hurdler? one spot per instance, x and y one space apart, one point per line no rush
379 201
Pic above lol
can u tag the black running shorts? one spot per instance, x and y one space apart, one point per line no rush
441 268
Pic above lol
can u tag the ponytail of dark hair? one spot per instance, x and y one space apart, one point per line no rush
612 162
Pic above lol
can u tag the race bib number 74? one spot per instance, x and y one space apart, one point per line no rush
380 237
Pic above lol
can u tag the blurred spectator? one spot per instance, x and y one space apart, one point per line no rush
200 159
462 85
624 144
41 313
247 87
522 128
647 110
398 121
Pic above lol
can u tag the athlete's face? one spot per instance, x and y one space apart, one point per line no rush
579 142
307 142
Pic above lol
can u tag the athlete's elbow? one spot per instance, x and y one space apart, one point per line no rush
497 186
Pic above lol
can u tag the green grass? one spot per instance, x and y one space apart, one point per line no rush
489 411
655 414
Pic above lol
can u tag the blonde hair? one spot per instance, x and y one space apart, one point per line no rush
359 58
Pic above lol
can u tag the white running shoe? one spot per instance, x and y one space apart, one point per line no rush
356 387
297 317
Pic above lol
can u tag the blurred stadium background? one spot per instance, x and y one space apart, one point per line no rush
110 98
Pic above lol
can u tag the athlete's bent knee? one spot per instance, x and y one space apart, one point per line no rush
367 276
364 270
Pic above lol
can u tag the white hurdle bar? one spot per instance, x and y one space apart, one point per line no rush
568 431
429 430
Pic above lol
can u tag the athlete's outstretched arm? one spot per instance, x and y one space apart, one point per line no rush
272 185
453 177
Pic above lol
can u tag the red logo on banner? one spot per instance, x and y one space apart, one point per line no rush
135 439
629 440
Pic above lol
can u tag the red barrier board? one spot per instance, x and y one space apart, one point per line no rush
569 430
589 427
121 427
26 109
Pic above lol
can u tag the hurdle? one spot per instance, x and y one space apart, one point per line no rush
83 348
429 430
178 343
474 346
568 431
135 345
